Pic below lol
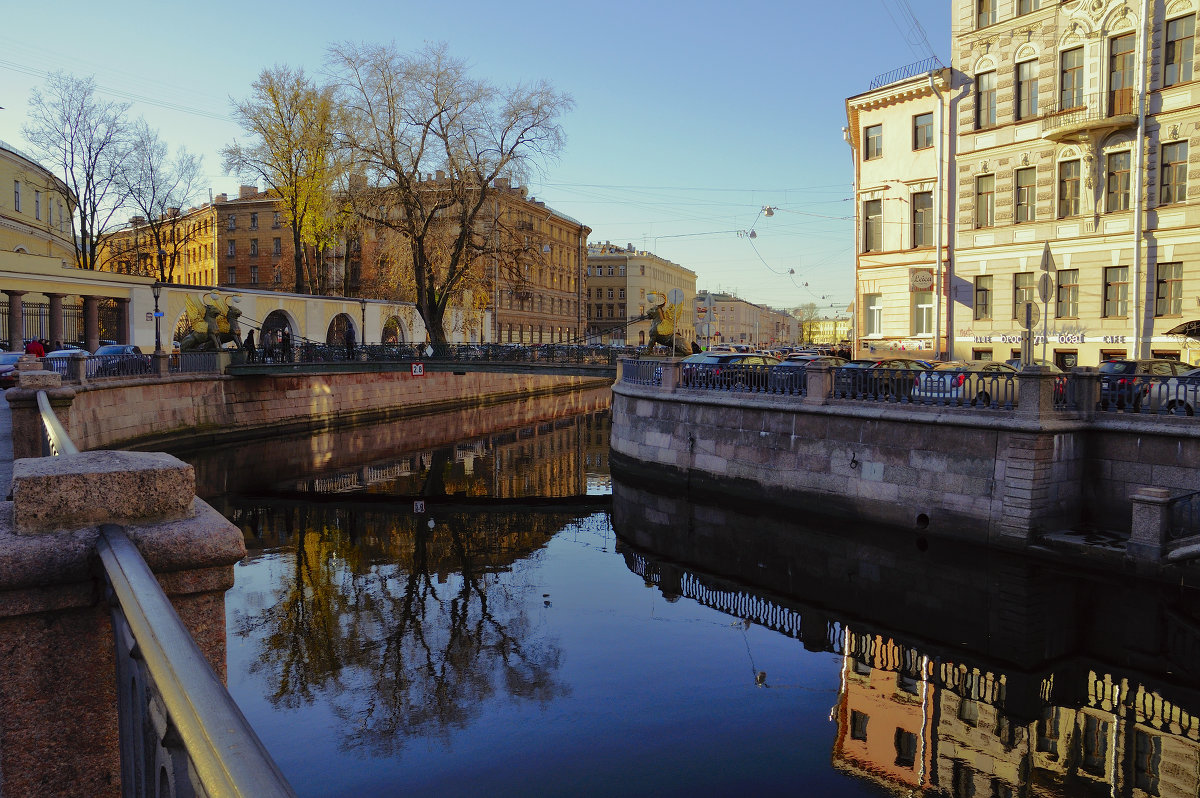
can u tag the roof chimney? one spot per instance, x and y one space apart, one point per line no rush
245 192
502 182
221 198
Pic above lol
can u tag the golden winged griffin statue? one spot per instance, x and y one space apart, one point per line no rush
212 322
663 318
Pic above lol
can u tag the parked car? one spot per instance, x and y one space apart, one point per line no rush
1179 395
791 375
8 369
1125 383
726 370
119 360
877 377
967 382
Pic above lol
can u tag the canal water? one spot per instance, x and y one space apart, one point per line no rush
474 605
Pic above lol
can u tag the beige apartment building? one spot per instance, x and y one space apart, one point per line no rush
35 208
619 279
1075 136
728 319
900 135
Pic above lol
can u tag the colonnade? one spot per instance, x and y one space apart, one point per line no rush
91 319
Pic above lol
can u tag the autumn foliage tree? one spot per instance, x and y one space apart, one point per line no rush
290 121
427 142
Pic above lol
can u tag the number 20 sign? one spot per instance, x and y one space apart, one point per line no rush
418 369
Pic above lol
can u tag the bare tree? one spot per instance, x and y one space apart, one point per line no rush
158 187
290 121
810 321
430 141
87 140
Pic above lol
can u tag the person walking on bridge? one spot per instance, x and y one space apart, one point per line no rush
251 354
349 342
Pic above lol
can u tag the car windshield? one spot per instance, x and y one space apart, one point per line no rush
114 349
8 358
1117 367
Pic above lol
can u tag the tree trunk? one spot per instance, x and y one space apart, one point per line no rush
298 259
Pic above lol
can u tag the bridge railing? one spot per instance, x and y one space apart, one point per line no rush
566 354
181 733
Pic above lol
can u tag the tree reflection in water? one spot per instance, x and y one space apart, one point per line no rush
405 626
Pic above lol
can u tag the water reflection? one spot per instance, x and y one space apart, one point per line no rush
962 674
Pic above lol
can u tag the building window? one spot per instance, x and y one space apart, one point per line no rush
1116 292
1120 75
254 275
983 297
1023 291
232 224
906 748
231 275
17 196
923 131
985 200
1116 183
1168 297
1066 305
610 293
254 221
873 226
275 220
922 321
1174 172
37 205
985 13
254 247
858 725
873 321
1027 90
1071 80
1147 756
1025 6
1068 189
276 246
620 310
1025 182
985 99
1177 60
230 250
922 219
873 139
620 293
62 220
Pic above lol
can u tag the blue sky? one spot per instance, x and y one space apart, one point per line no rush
688 118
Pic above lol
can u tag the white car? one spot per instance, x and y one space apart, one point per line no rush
1179 395
987 383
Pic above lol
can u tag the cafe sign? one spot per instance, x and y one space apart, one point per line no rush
920 280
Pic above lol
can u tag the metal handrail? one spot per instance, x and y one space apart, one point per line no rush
227 755
55 436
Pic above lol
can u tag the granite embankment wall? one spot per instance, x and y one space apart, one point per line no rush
138 412
1001 477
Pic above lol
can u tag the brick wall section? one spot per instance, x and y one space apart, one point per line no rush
110 416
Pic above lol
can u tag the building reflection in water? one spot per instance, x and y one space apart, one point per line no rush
393 596
963 673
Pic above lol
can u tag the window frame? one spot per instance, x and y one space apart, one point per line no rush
982 310
1075 72
1173 174
1024 290
1066 294
1069 201
872 226
922 219
985 13
923 131
1116 293
922 313
1026 98
1122 194
1170 50
873 318
873 141
985 202
1029 192
1121 69
1028 6
1168 289
985 100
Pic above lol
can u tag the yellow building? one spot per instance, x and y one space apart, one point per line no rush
898 134
619 279
35 208
1077 129
733 320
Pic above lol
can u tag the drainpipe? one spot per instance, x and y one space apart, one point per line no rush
858 309
1139 313
937 230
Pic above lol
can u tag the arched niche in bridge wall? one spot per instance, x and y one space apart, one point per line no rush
393 331
276 322
336 334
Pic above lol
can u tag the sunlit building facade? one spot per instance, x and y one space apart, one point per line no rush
619 282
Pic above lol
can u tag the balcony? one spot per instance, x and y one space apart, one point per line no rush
1092 119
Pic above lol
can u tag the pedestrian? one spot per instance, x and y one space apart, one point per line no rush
57 346
349 343
287 345
248 345
35 348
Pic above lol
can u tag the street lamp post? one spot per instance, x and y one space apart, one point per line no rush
362 303
158 350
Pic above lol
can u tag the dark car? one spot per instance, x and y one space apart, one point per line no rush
1125 383
119 360
8 369
736 370
791 375
881 377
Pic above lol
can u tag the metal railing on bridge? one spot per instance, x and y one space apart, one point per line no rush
181 734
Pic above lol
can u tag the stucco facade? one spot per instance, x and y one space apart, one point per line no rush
35 208
618 282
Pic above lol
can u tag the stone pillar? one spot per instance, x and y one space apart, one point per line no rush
1151 523
162 363
670 376
1087 389
1035 392
818 384
16 321
58 698
1027 499
77 367
27 436
122 333
91 323
56 319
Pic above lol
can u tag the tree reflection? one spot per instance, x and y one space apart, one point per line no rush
404 626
